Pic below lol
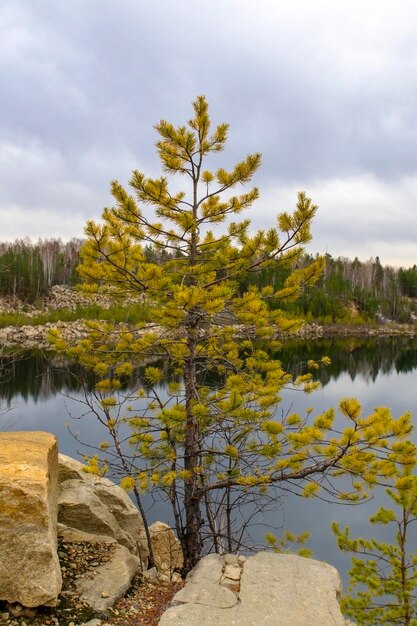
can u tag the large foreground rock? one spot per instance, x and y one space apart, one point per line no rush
266 589
96 505
29 566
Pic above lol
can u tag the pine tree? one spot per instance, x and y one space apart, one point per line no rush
384 575
217 435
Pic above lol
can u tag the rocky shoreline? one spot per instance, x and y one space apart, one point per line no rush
36 337
60 297
79 554
144 603
351 330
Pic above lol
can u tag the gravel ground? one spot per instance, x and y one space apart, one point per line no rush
142 606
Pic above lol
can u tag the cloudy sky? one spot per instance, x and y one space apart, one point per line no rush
326 90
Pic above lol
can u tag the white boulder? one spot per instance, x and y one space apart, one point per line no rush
98 506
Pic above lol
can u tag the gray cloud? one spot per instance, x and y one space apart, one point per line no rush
326 91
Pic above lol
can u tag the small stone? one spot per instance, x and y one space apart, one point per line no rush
230 584
233 572
176 577
105 594
164 578
230 559
151 574
17 610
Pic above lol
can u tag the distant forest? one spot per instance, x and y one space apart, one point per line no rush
348 290
352 291
28 270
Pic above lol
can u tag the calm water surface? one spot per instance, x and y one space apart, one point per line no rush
379 372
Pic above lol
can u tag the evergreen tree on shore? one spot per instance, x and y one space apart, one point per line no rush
218 430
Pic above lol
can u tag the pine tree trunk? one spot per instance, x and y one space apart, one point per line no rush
191 541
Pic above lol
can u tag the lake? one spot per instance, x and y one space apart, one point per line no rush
39 395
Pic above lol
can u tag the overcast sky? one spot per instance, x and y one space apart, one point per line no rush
325 90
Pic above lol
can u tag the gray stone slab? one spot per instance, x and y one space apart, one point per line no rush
287 590
199 615
212 595
208 570
276 590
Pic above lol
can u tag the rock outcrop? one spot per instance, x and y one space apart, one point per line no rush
97 516
268 589
106 582
29 566
94 510
98 506
36 337
166 550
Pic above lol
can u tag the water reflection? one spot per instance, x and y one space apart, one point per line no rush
44 394
37 376
366 357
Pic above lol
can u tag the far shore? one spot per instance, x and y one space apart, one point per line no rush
390 329
36 337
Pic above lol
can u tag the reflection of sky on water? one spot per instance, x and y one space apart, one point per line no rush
397 391
393 389
52 415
